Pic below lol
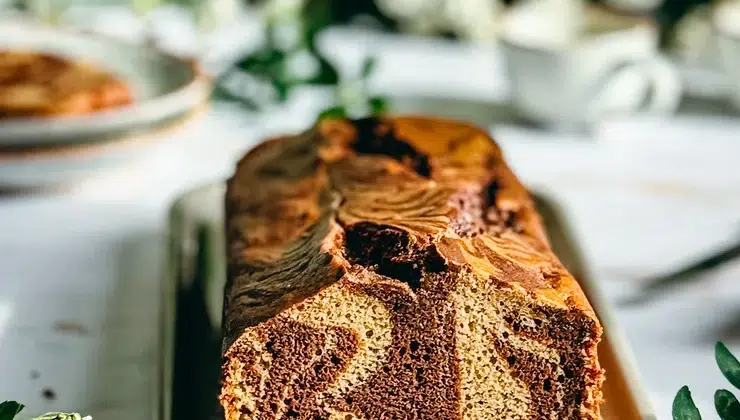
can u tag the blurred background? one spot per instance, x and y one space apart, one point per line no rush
626 113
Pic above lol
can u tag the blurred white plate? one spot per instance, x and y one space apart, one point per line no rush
45 167
164 86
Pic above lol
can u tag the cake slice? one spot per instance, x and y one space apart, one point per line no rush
395 268
36 84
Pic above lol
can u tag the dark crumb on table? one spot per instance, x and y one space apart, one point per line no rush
70 327
49 394
35 374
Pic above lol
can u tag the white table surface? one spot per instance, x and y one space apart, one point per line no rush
80 268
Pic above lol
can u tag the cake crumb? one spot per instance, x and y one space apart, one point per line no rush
49 394
70 327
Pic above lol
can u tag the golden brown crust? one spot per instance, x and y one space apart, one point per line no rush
39 84
294 192
419 216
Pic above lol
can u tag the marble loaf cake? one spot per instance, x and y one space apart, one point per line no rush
394 268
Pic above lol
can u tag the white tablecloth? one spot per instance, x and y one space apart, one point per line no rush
80 268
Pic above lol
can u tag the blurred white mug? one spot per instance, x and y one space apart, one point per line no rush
726 19
569 69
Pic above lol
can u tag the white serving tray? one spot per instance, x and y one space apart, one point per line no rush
194 290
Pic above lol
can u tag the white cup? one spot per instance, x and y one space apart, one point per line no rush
726 20
575 74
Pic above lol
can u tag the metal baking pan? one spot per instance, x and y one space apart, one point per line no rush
194 289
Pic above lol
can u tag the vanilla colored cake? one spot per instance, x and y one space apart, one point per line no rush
394 268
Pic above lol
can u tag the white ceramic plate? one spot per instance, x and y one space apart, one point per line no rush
164 86
24 169
51 170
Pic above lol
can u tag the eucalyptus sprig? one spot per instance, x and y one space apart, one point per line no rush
725 402
288 58
10 409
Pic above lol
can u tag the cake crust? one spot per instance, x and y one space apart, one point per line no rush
393 268
35 84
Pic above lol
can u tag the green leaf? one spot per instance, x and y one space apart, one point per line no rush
728 364
368 67
9 409
263 62
317 16
282 89
727 405
684 407
378 105
221 93
326 75
334 112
